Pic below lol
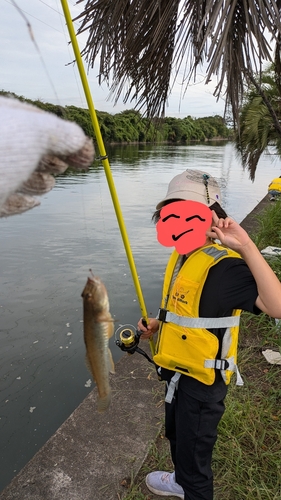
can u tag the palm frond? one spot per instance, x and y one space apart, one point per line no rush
256 132
142 44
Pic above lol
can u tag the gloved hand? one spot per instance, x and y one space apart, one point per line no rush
35 144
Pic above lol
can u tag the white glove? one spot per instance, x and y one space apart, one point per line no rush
33 145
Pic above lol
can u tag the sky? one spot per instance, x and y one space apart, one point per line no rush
44 70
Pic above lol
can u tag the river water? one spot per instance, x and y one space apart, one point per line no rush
45 257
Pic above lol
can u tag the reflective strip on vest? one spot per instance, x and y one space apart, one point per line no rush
214 252
185 321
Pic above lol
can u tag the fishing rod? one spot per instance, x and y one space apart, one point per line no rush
106 166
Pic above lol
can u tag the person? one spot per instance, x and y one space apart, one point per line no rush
35 145
274 188
211 284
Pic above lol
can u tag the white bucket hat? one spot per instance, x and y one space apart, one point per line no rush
193 185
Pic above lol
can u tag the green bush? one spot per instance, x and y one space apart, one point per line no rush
130 126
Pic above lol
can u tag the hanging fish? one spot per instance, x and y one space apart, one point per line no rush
98 328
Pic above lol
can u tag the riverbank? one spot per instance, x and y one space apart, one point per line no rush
130 127
93 456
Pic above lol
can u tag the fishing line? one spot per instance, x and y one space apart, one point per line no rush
67 42
12 2
106 165
85 228
36 46
102 207
88 227
32 36
74 69
51 8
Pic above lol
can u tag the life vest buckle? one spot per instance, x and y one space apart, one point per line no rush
221 364
162 315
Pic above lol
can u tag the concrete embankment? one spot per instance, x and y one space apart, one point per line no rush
93 456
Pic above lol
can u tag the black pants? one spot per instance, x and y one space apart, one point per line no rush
191 427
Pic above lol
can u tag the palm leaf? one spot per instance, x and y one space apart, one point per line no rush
257 128
143 44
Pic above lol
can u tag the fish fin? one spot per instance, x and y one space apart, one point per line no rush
110 329
103 403
111 362
88 364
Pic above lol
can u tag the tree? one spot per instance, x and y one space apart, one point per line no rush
143 44
260 110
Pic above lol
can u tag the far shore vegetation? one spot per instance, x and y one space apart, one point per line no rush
130 126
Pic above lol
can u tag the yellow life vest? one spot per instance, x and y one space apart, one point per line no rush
275 185
184 344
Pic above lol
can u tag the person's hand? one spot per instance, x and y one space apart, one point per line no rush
34 146
229 232
152 327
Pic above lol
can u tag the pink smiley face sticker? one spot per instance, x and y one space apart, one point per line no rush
183 224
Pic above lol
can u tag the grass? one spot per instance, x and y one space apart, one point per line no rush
247 455
269 231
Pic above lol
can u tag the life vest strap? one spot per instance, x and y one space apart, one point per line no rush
172 386
239 380
218 364
225 364
186 321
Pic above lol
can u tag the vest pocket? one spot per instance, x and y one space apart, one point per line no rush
185 350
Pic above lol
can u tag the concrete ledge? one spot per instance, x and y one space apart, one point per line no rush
91 454
250 222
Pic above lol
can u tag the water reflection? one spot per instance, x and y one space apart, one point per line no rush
45 257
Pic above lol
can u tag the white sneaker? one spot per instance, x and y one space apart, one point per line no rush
164 484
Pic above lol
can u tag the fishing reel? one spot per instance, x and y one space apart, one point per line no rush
128 341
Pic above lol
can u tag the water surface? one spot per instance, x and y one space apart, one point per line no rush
45 257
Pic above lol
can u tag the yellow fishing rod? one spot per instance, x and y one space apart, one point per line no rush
106 165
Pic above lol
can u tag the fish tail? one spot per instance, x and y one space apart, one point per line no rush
104 402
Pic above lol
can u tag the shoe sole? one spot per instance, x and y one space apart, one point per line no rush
163 493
